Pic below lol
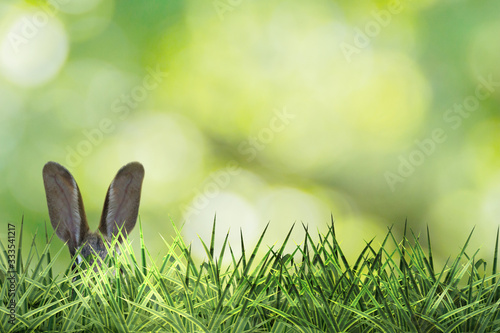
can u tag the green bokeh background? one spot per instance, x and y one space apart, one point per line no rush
259 111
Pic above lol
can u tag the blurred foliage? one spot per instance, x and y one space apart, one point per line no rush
259 111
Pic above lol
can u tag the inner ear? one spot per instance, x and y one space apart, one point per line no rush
121 205
65 205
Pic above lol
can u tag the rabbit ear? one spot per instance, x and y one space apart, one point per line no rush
122 201
64 201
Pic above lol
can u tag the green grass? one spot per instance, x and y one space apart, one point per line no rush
312 289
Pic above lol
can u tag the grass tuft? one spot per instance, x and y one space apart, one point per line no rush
391 288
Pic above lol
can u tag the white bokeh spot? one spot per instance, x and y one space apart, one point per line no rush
232 213
33 48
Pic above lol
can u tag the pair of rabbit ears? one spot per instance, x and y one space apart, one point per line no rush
66 211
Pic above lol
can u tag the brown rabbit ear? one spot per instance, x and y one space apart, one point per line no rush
122 201
64 201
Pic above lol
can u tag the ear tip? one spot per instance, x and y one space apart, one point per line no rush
53 167
135 167
50 164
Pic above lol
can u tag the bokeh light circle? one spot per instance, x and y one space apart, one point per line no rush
33 48
232 213
483 52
